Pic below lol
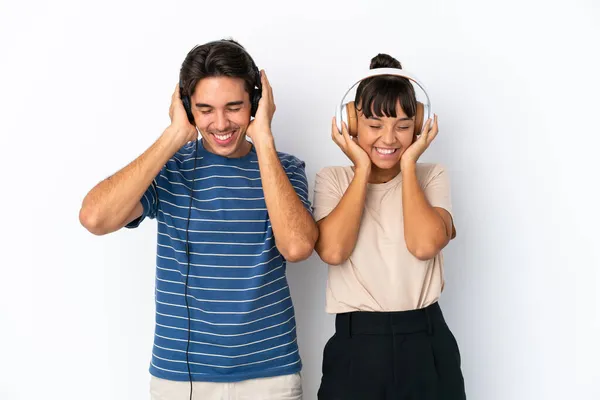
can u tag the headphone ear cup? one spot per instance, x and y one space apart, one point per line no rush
351 118
256 95
419 118
186 105
256 92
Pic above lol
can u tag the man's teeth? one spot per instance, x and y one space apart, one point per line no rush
224 137
385 151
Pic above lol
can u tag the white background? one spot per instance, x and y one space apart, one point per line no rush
85 87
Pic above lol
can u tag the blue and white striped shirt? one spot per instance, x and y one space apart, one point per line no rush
242 319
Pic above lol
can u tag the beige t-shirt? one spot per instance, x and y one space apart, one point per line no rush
381 274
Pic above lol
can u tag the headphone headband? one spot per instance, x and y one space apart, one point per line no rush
241 48
257 82
340 109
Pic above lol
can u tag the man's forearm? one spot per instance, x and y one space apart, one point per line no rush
108 205
294 228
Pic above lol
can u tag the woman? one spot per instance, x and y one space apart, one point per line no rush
383 223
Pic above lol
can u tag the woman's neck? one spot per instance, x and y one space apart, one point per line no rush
379 175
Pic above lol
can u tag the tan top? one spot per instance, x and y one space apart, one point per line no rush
381 274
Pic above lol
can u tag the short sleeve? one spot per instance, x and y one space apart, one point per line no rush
327 194
150 204
296 173
437 188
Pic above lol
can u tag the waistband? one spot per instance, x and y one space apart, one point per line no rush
389 323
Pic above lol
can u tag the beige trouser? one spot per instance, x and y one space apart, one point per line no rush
286 387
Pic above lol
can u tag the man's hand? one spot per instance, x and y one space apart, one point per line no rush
260 128
180 124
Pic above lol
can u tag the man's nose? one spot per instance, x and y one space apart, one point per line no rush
221 123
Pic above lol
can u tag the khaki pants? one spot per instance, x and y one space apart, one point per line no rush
286 387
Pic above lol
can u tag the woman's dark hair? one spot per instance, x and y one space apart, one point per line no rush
379 95
221 58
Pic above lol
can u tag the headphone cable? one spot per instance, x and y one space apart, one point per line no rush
187 251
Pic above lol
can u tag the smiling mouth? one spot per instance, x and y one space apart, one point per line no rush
385 152
224 138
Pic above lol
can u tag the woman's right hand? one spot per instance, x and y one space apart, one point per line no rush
179 120
350 147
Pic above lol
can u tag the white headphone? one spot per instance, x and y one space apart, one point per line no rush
346 112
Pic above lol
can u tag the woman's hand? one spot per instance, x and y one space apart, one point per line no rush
415 150
350 147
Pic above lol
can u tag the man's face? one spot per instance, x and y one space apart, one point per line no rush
221 109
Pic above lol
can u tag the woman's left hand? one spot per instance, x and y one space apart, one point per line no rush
415 150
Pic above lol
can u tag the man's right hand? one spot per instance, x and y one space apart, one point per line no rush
115 201
180 124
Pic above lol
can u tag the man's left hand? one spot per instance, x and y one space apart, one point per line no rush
260 128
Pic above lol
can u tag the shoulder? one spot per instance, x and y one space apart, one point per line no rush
426 172
290 162
335 172
335 176
184 157
179 167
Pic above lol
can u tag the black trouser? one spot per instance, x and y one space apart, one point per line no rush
392 355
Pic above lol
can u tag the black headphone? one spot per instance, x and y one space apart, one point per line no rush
254 96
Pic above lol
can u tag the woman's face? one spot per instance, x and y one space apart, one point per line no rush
385 138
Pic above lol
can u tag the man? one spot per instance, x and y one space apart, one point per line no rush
224 316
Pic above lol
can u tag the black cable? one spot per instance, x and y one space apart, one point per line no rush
187 252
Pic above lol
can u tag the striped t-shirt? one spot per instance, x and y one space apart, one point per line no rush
242 322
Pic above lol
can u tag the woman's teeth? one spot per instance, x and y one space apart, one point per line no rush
385 151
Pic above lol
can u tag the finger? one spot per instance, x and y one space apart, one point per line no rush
434 130
427 125
264 82
334 128
339 140
426 129
344 135
345 132
267 85
335 133
348 140
176 94
264 78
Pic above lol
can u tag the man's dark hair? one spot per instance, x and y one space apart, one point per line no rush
222 58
